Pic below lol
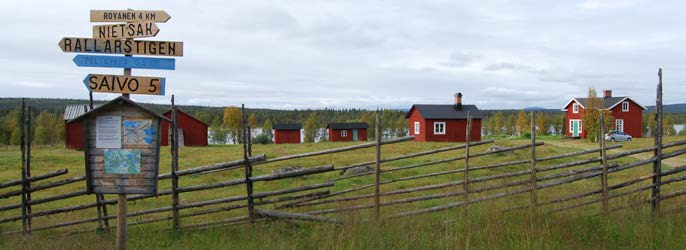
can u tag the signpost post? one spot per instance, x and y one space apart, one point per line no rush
122 137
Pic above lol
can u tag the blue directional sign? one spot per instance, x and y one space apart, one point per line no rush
125 62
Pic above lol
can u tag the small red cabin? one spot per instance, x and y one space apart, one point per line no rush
287 133
628 115
73 131
444 123
356 131
192 132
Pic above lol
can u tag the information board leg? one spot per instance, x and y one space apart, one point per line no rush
121 222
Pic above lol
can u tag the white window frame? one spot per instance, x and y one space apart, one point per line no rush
619 123
344 133
436 126
625 106
575 108
571 129
416 128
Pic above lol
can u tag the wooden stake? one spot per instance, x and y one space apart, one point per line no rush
466 161
175 165
377 177
22 124
121 222
534 196
248 168
657 165
603 162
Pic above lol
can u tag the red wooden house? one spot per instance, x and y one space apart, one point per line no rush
73 131
356 131
628 115
444 123
192 132
287 133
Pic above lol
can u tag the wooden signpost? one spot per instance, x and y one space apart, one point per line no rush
125 84
125 62
121 137
117 46
127 30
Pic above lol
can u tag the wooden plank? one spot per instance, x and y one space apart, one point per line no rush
143 85
120 189
117 46
143 175
116 181
129 16
125 30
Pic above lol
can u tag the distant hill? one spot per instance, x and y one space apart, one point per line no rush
670 108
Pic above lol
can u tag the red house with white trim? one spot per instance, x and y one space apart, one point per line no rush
355 131
444 123
628 115
192 132
287 133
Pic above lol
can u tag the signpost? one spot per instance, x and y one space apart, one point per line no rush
125 84
127 30
130 16
125 62
117 46
122 138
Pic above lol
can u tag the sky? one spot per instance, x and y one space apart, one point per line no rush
368 54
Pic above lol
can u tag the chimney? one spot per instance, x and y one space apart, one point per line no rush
607 93
458 101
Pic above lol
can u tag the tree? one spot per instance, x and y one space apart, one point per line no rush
668 126
267 130
522 123
218 133
592 110
498 120
232 122
311 128
402 128
541 129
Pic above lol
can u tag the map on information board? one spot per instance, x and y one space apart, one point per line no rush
137 132
122 161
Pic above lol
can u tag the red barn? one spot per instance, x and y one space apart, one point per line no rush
628 115
287 133
356 131
192 132
444 123
73 131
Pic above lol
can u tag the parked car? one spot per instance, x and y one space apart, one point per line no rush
616 135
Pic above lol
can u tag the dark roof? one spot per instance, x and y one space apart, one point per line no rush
117 101
351 125
192 117
608 101
443 111
287 126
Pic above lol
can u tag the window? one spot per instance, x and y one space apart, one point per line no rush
575 108
625 106
439 128
344 133
416 128
619 125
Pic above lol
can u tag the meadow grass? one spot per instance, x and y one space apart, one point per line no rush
484 226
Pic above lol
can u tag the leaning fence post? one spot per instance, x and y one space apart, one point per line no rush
534 195
377 178
465 183
657 164
248 168
22 124
603 161
175 165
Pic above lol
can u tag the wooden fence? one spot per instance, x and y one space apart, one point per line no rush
532 176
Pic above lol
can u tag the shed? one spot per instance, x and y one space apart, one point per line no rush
73 131
354 131
287 133
444 122
192 131
121 148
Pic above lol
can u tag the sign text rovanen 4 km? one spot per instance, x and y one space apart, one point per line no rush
125 84
130 16
116 46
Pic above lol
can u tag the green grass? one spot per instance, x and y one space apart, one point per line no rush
484 227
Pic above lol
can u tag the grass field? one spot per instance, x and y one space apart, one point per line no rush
485 225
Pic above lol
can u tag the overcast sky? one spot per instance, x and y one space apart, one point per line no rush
359 54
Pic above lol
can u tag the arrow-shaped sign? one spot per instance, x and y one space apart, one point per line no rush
125 62
125 84
116 46
130 16
125 30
